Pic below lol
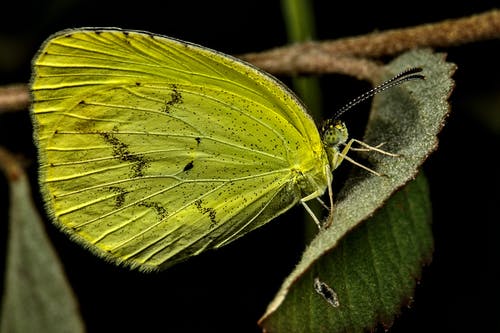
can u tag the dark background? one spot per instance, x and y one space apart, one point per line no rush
227 290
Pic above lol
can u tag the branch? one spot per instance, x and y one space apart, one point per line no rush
14 97
352 55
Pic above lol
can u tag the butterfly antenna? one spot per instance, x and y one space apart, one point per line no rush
407 75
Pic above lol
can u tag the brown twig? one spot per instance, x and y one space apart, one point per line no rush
354 53
14 97
317 61
442 34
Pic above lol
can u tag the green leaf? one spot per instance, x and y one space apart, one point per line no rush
37 296
407 118
372 270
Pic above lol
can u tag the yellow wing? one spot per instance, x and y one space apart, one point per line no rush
153 150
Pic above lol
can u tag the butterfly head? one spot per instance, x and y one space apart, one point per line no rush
334 133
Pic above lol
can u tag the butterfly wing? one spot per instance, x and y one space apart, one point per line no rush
153 150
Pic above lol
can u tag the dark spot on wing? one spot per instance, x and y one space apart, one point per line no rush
160 211
210 212
120 198
137 83
126 35
188 166
175 98
121 151
141 163
198 140
82 102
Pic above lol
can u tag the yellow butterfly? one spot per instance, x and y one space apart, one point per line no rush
153 150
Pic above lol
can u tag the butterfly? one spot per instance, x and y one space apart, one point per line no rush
153 150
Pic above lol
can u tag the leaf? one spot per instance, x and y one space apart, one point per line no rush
372 270
407 118
37 297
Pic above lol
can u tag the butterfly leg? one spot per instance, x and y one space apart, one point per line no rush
343 155
372 148
367 149
309 210
327 223
322 203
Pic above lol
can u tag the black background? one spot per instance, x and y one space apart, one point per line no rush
227 290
